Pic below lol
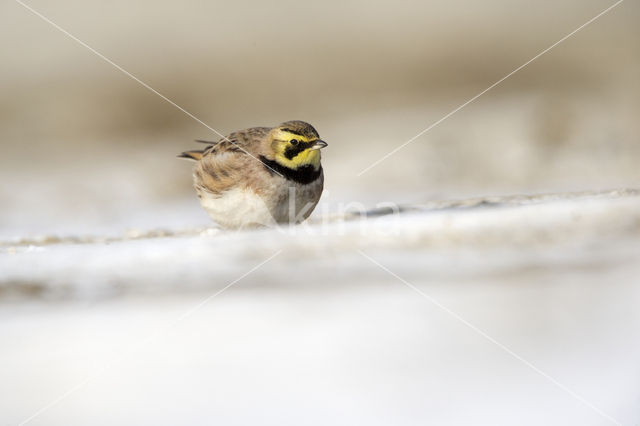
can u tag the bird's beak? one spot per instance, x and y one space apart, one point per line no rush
318 145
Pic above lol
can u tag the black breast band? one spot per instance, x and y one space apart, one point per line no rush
302 175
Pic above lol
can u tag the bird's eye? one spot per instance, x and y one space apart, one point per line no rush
294 142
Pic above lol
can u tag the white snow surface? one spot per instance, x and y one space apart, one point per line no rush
502 311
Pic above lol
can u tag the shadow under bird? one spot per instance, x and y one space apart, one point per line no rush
261 176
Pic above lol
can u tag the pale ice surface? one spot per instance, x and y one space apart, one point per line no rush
499 311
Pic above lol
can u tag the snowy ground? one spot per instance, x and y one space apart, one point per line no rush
512 310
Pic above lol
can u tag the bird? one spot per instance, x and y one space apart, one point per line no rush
260 176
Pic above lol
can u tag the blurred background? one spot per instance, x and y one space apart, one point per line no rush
101 324
83 143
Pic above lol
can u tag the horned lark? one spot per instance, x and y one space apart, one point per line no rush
260 176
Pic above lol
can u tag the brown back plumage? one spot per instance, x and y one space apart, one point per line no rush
242 141
227 163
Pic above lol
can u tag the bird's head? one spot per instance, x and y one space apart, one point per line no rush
296 144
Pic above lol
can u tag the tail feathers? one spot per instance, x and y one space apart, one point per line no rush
192 155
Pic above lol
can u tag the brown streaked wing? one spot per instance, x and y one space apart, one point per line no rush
240 141
224 165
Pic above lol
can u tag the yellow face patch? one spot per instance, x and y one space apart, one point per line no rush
283 135
293 151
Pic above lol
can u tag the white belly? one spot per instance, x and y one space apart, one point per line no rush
243 208
237 208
